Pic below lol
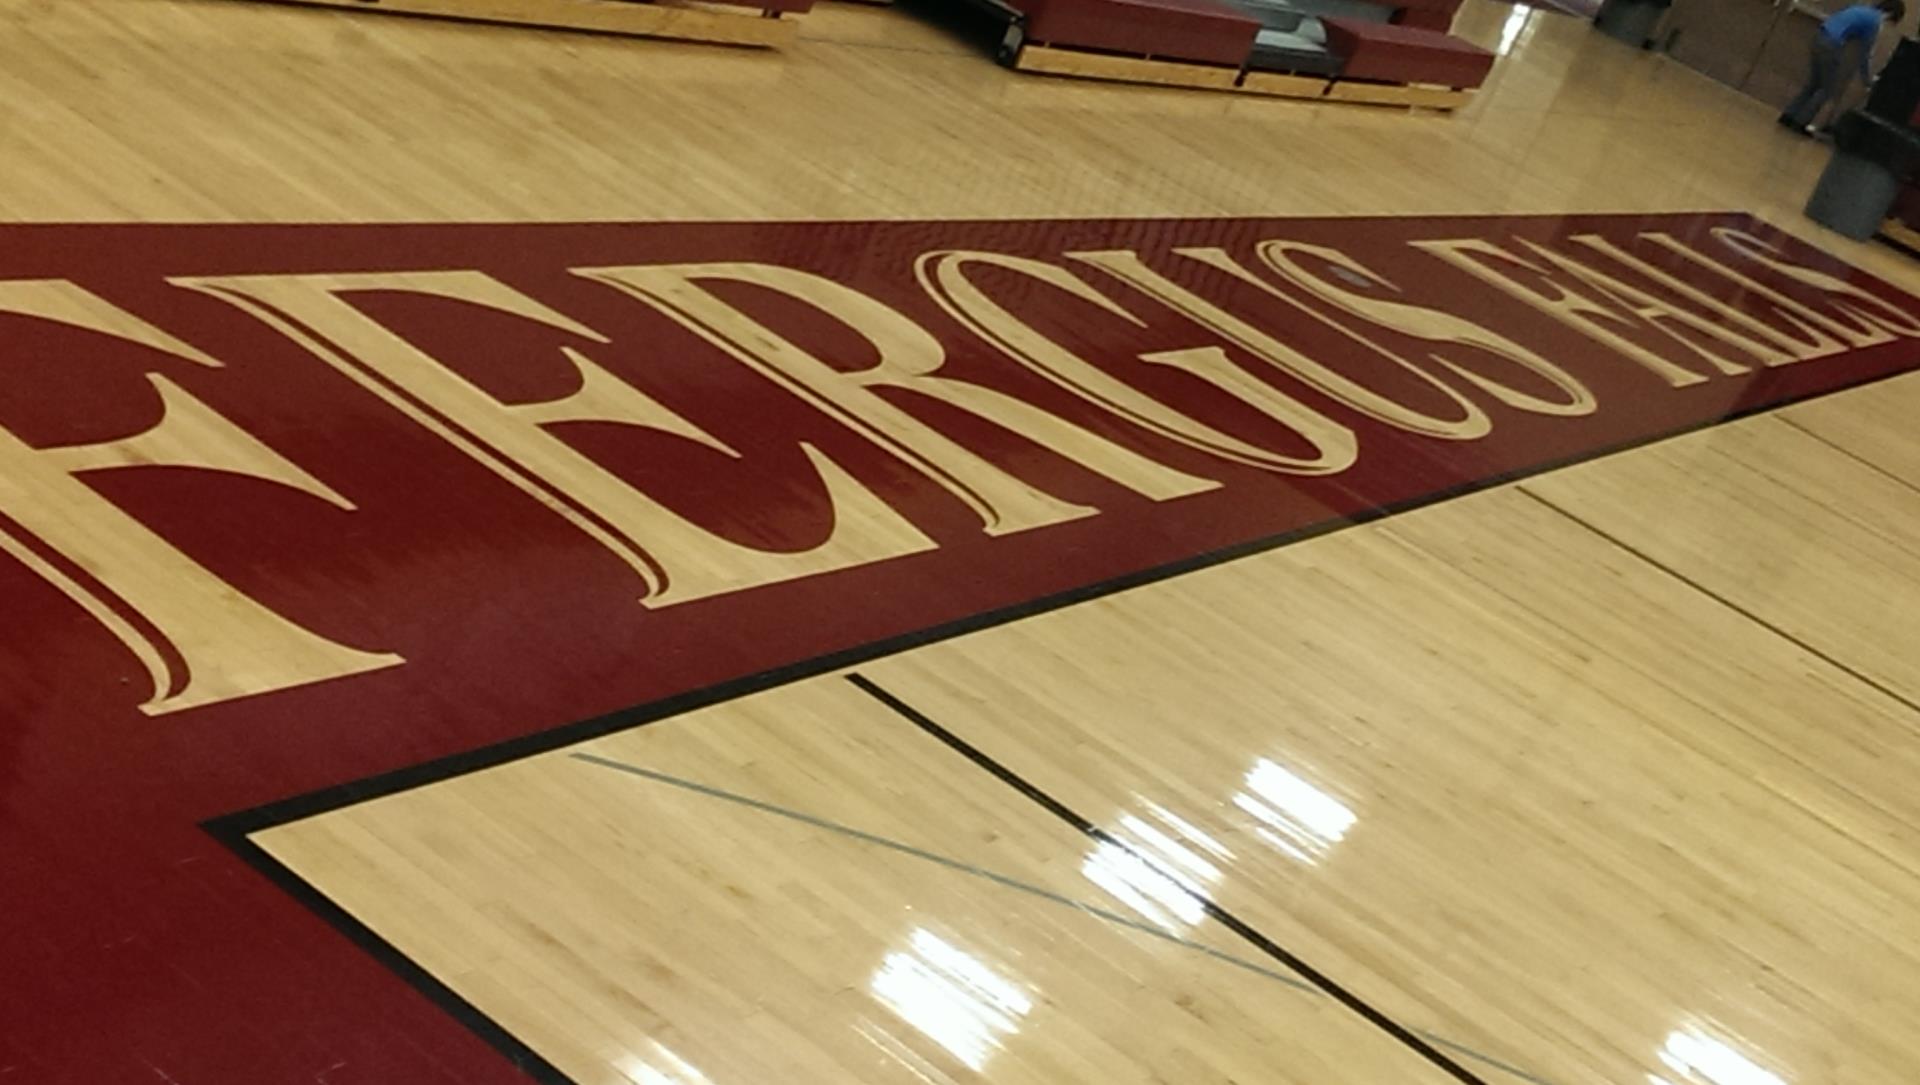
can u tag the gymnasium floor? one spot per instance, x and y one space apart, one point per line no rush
1538 708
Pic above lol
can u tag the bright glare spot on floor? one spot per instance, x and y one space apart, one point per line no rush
1141 887
951 997
662 1067
1510 30
1298 817
1701 1058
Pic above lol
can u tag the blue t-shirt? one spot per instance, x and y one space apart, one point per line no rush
1861 22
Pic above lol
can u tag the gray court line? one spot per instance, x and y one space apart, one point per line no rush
1014 884
950 864
1483 1059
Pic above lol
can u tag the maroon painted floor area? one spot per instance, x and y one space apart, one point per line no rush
422 576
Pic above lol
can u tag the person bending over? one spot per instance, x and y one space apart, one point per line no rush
1858 27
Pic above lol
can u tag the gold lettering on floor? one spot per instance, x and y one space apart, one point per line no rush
208 642
1872 312
1820 334
943 274
1554 296
1771 345
1471 423
910 360
1433 325
678 559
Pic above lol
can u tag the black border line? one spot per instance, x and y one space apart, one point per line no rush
324 800
235 830
1893 243
1324 983
524 1058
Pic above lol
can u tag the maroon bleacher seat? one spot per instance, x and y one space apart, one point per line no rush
1397 53
1193 30
1425 18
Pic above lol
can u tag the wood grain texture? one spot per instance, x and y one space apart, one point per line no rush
1412 97
591 911
1506 779
1608 777
1782 522
1046 60
299 114
713 23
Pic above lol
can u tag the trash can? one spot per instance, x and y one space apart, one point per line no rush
1854 196
1872 158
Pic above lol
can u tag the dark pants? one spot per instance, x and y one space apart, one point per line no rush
1826 79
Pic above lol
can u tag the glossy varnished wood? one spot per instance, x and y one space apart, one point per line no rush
1808 527
293 118
1605 777
597 913
1043 60
1514 783
1411 97
717 23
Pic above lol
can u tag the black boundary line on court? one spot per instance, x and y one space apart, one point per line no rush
235 830
1768 624
1824 440
495 1035
1893 243
1219 914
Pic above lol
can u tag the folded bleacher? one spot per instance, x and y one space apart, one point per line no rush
1395 52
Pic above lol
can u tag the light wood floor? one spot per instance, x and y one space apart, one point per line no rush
220 110
1594 778
1603 777
866 962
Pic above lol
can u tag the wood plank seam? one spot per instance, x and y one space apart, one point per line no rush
634 18
1040 59
1008 882
1325 984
